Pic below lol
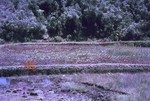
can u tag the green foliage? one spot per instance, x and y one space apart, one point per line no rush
78 19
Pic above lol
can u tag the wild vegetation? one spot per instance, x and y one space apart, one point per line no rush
24 20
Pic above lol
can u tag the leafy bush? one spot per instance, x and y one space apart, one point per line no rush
22 20
19 24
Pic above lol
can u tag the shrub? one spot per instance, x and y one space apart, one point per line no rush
20 24
22 20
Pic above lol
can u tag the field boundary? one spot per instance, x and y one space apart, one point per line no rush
128 43
75 68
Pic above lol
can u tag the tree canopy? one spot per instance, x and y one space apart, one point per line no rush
23 20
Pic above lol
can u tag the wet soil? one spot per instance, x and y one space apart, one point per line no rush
48 88
77 87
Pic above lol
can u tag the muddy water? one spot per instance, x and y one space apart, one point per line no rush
4 82
136 86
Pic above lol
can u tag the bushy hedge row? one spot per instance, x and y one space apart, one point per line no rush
22 20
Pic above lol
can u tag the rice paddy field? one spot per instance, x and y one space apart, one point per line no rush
36 85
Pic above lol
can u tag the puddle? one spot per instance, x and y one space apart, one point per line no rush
47 82
4 82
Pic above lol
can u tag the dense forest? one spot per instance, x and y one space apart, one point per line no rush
78 20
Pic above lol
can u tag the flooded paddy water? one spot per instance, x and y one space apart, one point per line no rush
104 87
4 82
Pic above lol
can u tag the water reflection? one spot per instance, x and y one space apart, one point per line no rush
47 82
4 82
